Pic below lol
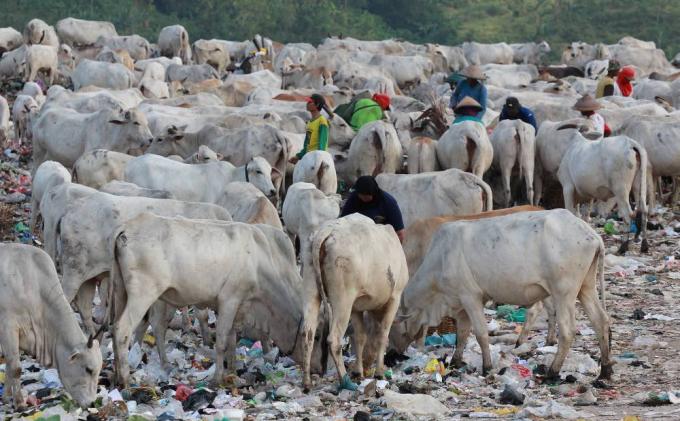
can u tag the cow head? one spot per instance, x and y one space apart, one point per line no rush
261 174
166 144
133 130
543 47
79 371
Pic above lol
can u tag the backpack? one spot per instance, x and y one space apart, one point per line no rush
347 110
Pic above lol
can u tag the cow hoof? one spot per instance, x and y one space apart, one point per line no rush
606 372
355 375
623 249
378 377
306 390
457 363
551 375
644 247
486 371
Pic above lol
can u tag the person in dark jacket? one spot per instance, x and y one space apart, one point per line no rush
513 110
369 200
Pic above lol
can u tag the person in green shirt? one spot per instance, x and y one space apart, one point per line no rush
316 137
369 109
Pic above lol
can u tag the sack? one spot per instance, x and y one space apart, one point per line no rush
347 110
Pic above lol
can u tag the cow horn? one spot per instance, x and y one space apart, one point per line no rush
568 126
42 37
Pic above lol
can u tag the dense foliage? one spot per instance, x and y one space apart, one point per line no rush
443 21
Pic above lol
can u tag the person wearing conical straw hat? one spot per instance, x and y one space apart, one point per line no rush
588 106
468 110
471 87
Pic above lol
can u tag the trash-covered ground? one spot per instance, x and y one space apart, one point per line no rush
643 293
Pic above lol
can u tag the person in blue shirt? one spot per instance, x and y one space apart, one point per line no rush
472 86
513 110
369 200
468 110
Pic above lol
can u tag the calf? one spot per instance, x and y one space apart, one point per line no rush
50 174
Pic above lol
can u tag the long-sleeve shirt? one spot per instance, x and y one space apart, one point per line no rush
383 209
477 92
316 137
525 114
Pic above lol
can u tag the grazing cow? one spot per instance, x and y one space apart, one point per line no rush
476 53
199 183
437 193
37 31
86 229
374 150
357 266
173 41
247 273
102 74
318 168
13 63
190 73
305 208
10 39
93 100
24 110
49 175
123 188
213 52
38 320
465 146
34 90
422 155
563 258
604 169
78 32
579 53
513 144
63 135
41 58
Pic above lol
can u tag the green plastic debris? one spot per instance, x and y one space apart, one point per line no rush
348 384
20 227
511 313
609 228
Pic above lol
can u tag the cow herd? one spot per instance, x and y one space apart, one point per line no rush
161 176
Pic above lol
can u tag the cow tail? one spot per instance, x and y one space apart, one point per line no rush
600 269
487 196
472 152
318 252
285 151
641 153
379 143
116 287
320 173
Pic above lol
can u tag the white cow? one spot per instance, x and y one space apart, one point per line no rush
513 144
579 53
88 225
465 146
252 282
422 155
41 58
123 188
79 32
477 53
604 169
154 89
34 90
13 63
93 100
305 208
374 150
437 193
38 320
370 279
63 135
24 111
561 257
190 73
4 120
595 69
213 52
10 39
49 175
246 203
102 74
199 183
173 41
137 46
318 168
37 31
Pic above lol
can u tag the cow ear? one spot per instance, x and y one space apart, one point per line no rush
220 157
74 356
276 174
27 108
178 137
128 115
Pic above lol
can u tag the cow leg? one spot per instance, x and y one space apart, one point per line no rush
226 314
311 321
552 322
566 320
84 302
359 339
9 342
202 316
159 318
625 212
138 303
531 315
339 320
529 185
538 181
463 327
569 202
598 317
505 176
475 310
389 312
35 209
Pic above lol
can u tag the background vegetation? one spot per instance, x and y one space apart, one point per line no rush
443 21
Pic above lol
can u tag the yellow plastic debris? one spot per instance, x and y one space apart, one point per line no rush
631 418
149 340
434 366
2 377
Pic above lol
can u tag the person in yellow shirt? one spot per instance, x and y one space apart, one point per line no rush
316 138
